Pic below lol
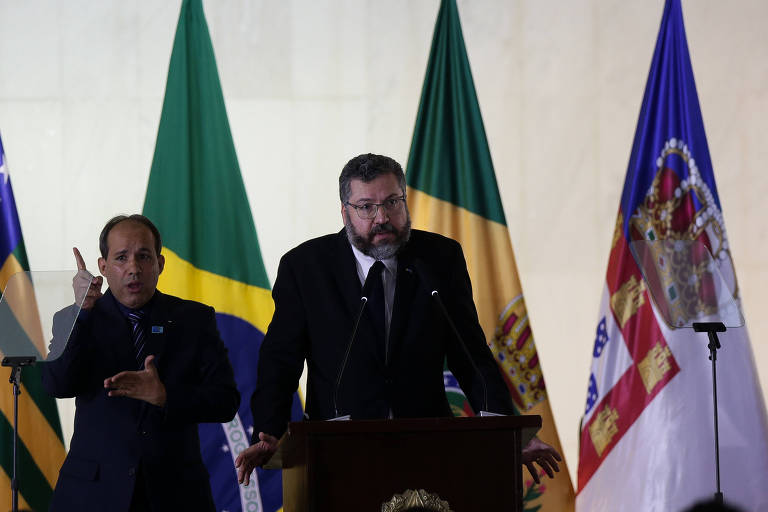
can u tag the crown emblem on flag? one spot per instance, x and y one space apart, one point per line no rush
679 205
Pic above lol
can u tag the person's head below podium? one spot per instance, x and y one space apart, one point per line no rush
711 506
130 258
373 207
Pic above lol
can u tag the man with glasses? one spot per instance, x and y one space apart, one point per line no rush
382 356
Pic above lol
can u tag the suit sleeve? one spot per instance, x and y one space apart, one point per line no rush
281 357
461 307
212 396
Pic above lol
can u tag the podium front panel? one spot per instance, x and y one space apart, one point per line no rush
472 463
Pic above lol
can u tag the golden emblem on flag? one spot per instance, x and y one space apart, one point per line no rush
628 299
678 208
603 428
654 366
515 351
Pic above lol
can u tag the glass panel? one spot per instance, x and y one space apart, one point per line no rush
685 283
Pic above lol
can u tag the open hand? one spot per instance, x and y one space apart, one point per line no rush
142 385
255 455
542 454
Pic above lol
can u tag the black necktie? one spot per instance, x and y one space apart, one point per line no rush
374 290
137 335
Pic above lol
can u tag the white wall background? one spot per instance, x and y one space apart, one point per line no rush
310 83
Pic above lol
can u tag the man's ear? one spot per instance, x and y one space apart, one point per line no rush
161 263
102 266
344 214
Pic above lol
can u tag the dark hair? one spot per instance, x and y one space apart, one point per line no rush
368 167
114 221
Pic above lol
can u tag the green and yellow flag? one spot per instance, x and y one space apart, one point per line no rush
41 446
197 199
452 190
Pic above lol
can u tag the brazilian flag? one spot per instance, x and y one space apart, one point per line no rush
452 190
41 446
197 199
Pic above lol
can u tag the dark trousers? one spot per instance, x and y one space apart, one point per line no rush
140 500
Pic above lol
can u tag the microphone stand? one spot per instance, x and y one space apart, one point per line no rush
16 363
712 328
447 316
423 272
363 301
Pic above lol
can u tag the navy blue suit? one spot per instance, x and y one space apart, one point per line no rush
317 297
116 438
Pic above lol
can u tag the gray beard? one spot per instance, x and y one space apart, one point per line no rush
382 251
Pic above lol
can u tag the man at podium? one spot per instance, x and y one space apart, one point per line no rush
359 307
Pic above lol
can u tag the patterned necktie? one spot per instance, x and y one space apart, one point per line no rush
374 290
138 336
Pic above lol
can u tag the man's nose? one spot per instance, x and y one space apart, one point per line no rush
133 266
382 216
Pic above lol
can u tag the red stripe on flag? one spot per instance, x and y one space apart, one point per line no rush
653 367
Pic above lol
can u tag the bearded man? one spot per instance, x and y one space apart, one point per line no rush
394 367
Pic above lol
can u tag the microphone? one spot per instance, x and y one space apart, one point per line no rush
425 274
363 301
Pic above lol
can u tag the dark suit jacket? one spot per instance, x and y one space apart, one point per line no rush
317 297
114 436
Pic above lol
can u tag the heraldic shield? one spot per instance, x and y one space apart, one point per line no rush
685 283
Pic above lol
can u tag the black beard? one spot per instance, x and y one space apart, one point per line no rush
382 251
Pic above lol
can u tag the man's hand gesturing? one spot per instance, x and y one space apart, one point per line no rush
255 455
87 288
142 385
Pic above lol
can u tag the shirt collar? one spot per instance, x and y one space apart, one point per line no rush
145 309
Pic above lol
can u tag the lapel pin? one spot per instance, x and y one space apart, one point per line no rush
157 329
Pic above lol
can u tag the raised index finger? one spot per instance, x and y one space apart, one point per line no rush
78 259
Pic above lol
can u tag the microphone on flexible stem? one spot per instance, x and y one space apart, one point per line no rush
424 273
363 301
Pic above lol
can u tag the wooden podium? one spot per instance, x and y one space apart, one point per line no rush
471 463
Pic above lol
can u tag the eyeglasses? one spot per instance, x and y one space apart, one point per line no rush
368 211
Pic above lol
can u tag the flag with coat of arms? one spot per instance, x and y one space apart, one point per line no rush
647 435
452 190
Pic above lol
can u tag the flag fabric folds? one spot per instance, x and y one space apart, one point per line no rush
452 190
41 446
647 435
197 199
